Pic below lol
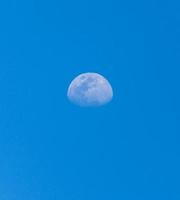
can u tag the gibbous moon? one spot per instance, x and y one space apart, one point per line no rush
90 89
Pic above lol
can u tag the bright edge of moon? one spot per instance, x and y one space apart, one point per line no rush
90 90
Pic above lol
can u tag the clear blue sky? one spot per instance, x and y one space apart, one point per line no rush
53 150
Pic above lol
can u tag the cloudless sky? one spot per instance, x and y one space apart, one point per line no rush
53 150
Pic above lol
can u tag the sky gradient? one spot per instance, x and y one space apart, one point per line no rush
53 150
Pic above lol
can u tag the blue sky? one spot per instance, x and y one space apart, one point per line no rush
51 149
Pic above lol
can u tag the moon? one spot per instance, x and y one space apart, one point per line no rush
90 90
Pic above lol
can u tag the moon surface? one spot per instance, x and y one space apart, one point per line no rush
90 90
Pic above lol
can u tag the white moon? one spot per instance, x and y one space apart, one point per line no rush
90 89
